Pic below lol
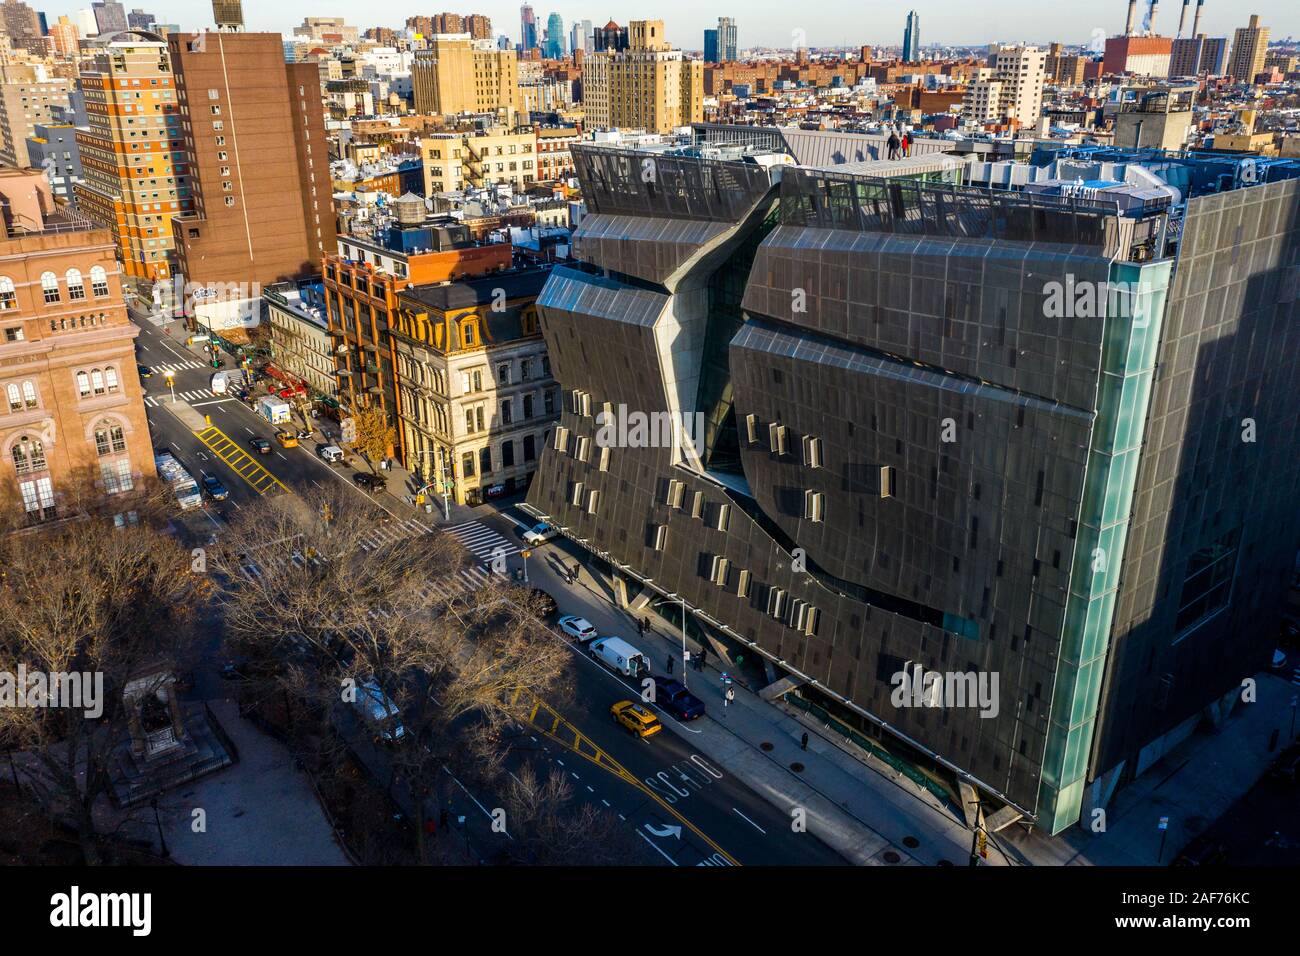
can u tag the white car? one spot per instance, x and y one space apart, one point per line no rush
578 627
539 534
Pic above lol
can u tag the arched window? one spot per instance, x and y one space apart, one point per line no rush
76 285
50 285
110 378
29 455
29 395
83 384
15 398
99 282
109 438
97 381
8 296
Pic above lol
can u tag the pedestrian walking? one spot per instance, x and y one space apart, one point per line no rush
670 665
728 697
906 143
701 658
892 143
803 742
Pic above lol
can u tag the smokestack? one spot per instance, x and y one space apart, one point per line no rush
1132 17
1196 19
1182 17
1151 17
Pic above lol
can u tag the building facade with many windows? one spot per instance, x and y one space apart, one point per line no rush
133 155
476 395
901 447
72 421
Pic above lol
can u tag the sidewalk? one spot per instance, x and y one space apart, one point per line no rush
866 813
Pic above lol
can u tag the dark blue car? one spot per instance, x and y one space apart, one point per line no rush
677 700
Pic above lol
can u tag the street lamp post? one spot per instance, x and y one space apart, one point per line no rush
166 853
685 655
525 554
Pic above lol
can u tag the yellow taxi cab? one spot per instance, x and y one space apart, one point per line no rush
286 439
636 718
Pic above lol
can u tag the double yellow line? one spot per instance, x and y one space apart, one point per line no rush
547 720
241 462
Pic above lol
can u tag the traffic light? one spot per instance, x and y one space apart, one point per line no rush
983 844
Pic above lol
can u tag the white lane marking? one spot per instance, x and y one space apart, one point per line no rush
651 842
247 429
281 457
749 821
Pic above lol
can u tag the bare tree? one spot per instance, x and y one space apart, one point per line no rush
550 828
302 581
83 595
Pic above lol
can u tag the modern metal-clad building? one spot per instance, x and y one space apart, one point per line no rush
993 434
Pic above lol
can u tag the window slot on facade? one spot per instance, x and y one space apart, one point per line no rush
718 570
751 428
583 449
887 481
697 505
575 496
775 602
812 451
723 517
813 506
593 500
742 583
661 536
776 437
602 461
561 438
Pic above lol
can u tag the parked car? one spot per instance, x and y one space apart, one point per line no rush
578 627
542 604
379 713
636 718
368 482
215 489
287 439
330 453
145 371
673 696
540 533
260 445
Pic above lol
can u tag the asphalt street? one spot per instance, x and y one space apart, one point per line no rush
686 810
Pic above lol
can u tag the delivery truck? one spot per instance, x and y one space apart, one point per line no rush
274 410
223 383
181 482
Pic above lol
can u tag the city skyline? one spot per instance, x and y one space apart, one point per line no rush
768 24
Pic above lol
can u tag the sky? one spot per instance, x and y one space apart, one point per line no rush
765 22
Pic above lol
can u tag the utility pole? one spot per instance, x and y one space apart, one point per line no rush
685 653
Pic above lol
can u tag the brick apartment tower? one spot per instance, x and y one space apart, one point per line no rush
71 406
258 161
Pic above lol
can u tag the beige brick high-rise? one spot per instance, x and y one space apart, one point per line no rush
648 86
1249 46
459 74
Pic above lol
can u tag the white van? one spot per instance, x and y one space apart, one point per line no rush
379 712
224 382
618 655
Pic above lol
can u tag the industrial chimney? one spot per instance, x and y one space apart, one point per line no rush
1196 20
1151 17
1132 17
1182 17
